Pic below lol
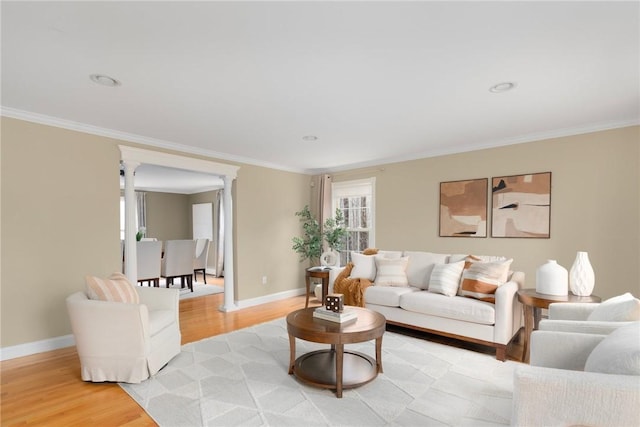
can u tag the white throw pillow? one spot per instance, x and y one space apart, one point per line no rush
623 308
445 278
364 266
391 271
421 265
618 353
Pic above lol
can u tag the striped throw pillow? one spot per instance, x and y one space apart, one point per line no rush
116 288
445 278
480 280
391 271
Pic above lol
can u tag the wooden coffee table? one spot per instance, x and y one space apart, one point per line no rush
352 368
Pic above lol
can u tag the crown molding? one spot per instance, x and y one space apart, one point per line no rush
139 139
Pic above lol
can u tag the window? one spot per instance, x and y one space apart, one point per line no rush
356 200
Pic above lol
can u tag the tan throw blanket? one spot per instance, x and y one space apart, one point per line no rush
352 288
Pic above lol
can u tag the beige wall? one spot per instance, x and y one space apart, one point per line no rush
266 204
59 216
60 222
168 216
595 203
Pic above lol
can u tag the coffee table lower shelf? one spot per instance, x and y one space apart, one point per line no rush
318 368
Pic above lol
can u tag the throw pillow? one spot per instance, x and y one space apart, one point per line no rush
445 278
364 266
618 353
623 308
480 280
116 288
391 271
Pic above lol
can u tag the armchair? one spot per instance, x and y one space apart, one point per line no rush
125 342
579 379
592 318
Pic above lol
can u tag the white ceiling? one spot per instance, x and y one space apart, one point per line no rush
376 82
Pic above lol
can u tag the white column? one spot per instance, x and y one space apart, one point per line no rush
229 281
130 223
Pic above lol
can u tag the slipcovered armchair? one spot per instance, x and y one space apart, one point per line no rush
579 379
592 318
125 342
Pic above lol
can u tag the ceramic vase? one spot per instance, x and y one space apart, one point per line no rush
552 279
581 277
330 258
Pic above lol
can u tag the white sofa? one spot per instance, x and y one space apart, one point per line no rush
414 306
580 379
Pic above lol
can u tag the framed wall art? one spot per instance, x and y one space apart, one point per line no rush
521 206
463 208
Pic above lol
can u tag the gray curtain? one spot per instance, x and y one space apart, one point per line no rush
218 234
141 208
324 199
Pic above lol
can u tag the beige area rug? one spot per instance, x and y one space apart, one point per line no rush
240 379
199 289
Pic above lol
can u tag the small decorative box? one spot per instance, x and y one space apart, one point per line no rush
334 302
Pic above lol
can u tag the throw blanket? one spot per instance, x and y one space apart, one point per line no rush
352 288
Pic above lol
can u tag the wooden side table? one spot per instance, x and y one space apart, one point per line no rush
533 303
318 274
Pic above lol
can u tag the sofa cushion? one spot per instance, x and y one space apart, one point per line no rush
466 309
420 267
364 266
116 288
622 308
445 278
390 254
387 295
481 279
391 272
618 353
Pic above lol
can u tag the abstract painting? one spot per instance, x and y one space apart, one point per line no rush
521 206
463 208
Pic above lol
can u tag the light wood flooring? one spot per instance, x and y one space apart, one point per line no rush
46 388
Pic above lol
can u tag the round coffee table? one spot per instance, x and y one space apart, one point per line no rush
335 367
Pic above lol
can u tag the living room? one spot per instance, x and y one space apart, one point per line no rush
60 221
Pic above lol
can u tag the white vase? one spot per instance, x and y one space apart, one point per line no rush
552 279
330 258
581 277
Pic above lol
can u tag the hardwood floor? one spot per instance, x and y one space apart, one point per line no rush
46 388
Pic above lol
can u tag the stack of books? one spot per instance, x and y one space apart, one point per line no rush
344 316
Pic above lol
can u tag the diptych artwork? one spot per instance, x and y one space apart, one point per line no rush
521 205
463 208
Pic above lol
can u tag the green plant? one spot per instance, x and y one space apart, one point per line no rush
308 246
140 234
334 231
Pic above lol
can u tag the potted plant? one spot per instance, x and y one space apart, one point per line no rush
334 232
309 246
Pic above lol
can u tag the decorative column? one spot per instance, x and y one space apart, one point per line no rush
130 223
229 297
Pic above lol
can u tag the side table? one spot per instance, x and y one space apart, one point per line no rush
533 303
318 274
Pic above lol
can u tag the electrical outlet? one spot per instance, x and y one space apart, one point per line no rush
264 280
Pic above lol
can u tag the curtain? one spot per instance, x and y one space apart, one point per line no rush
218 234
141 209
324 199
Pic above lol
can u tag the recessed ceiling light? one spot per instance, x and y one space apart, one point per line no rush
502 87
310 138
101 79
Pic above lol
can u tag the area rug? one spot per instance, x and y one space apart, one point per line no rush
199 289
240 379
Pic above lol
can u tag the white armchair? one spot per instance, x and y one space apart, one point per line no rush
592 318
125 342
580 379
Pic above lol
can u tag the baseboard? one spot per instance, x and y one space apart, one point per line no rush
34 347
49 344
269 298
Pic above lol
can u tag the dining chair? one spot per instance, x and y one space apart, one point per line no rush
178 261
149 256
200 260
